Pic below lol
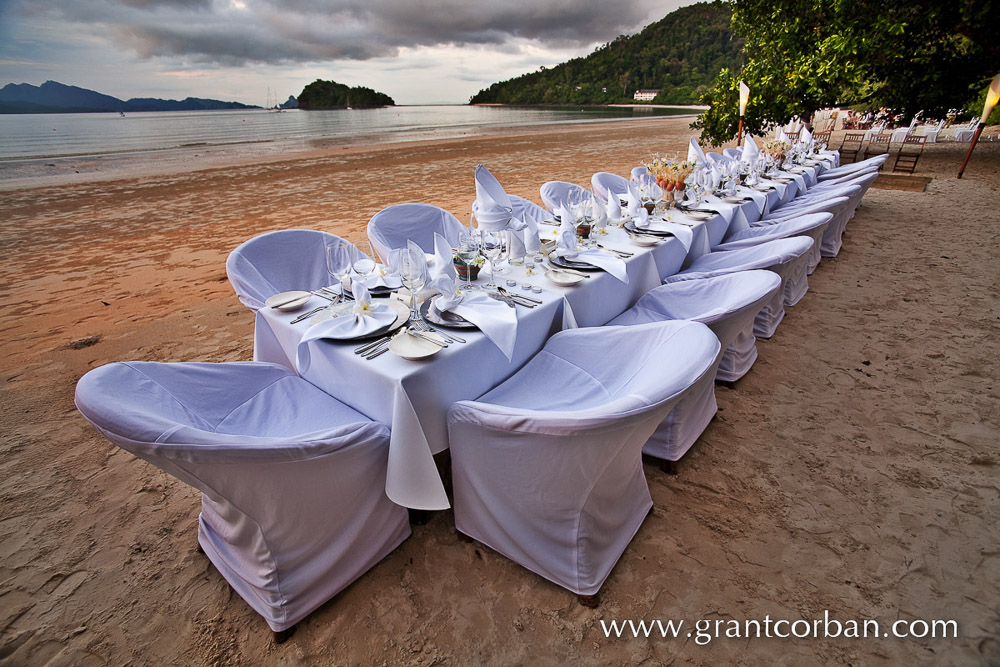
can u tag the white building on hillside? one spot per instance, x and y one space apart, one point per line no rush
646 95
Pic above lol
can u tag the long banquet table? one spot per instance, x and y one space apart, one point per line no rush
413 397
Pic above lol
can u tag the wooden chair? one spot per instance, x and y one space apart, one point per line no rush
852 147
793 136
822 138
909 153
878 144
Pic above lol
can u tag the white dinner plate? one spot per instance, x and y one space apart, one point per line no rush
700 216
563 279
411 347
288 301
643 240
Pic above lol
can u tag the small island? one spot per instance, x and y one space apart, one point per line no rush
332 95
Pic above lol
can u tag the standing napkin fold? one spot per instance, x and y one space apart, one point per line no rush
750 151
532 241
695 154
495 319
444 259
492 206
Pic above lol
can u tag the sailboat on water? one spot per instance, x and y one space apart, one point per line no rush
275 108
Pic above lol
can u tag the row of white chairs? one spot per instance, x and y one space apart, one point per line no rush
546 467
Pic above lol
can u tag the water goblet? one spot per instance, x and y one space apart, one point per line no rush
492 245
412 267
468 253
338 265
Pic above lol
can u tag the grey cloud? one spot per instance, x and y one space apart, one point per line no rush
289 31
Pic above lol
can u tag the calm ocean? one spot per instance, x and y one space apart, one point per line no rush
34 136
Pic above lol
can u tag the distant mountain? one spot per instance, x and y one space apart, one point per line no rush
54 97
679 55
332 95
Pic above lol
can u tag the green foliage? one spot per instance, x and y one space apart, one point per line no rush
680 55
332 95
803 55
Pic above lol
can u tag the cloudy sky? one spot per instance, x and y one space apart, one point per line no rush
417 51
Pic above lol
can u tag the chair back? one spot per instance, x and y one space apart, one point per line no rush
393 226
560 193
521 206
281 261
606 183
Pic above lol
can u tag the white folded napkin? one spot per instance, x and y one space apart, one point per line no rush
682 233
695 154
494 318
599 214
750 151
716 177
382 278
444 259
492 207
613 210
364 318
759 198
566 249
532 241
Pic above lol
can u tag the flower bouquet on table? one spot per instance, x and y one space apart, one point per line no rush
670 175
776 150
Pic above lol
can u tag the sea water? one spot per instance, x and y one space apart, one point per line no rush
41 136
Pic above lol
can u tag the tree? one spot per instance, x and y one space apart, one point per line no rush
803 55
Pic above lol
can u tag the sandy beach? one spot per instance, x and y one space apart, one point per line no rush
855 470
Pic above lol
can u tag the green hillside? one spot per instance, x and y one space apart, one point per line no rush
332 95
680 54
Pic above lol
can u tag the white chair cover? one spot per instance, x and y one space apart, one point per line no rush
275 262
642 176
833 238
931 134
786 257
293 481
728 304
547 466
604 182
965 132
521 206
854 168
393 226
559 193
733 153
813 225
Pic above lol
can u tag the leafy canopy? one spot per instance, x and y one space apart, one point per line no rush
803 55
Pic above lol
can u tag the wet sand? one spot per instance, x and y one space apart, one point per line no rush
855 469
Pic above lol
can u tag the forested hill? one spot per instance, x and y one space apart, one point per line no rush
680 54
332 95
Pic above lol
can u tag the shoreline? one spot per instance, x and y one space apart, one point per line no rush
41 172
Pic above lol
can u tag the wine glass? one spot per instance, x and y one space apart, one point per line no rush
468 252
492 245
338 264
412 267
364 265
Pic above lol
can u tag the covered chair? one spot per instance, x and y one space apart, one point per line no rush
521 206
281 261
293 482
393 226
547 467
786 257
812 225
560 193
853 169
606 183
728 304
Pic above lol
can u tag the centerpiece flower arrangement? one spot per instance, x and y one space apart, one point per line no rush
670 175
777 149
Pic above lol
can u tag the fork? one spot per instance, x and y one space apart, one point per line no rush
309 314
423 326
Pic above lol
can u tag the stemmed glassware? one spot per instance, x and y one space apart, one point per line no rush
468 253
364 264
411 265
492 245
338 265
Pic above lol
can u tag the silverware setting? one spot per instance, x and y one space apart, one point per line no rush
519 299
620 253
423 326
571 271
416 333
309 314
501 298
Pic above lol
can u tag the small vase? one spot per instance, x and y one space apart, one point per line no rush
583 228
463 271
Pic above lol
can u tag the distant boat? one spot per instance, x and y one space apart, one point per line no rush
275 108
